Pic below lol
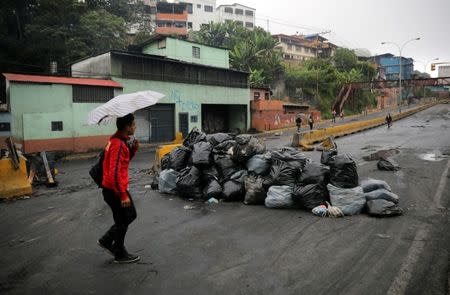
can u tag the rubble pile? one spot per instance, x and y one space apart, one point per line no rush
240 169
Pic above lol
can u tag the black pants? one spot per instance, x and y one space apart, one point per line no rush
311 126
123 217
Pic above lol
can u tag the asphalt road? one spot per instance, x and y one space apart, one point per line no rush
48 242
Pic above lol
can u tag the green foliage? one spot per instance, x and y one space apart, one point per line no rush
252 51
345 59
36 32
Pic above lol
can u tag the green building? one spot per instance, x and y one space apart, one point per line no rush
49 113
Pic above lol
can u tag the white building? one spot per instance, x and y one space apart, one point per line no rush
200 12
444 71
241 14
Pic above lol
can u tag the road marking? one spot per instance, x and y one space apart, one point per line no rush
401 281
441 187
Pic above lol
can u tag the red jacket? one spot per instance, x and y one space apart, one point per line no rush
115 164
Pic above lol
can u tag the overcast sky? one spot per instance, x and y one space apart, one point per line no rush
364 23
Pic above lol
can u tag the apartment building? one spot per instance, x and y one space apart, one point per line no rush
241 14
295 48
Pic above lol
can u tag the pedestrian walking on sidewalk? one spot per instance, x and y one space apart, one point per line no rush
342 115
389 120
311 122
334 116
117 156
298 123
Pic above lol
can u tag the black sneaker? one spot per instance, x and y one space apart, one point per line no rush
127 258
107 247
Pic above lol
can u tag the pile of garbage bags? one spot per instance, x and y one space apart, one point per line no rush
239 169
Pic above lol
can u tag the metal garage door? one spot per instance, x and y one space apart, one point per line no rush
162 123
156 123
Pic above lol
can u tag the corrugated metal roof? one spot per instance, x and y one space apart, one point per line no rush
61 80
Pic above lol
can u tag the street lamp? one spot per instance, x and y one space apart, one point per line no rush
426 64
400 49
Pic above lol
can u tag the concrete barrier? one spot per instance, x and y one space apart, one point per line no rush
315 136
14 182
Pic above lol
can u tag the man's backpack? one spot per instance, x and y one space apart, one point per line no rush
96 171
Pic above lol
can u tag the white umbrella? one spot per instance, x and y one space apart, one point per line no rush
123 105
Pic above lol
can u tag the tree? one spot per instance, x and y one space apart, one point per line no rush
345 59
252 51
102 31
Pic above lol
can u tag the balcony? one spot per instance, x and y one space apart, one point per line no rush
171 31
172 16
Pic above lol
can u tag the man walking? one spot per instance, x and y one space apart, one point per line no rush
298 123
117 156
311 122
389 120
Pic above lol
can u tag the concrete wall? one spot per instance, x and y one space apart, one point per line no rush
189 98
182 50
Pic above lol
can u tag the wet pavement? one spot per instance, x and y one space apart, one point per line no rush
48 242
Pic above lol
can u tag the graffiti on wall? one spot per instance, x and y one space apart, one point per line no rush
183 103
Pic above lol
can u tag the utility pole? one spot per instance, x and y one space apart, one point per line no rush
268 25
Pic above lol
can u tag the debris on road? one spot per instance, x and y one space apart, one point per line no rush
239 169
387 165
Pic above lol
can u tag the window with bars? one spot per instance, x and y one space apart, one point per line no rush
239 11
228 10
57 126
249 13
195 52
91 94
249 25
209 8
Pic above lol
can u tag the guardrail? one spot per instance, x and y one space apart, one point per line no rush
306 139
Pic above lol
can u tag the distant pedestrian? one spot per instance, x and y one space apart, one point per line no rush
334 115
342 115
298 123
311 122
117 156
389 120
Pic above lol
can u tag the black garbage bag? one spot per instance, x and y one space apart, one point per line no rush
314 173
189 183
165 162
282 173
201 154
194 137
290 155
311 195
224 147
387 165
279 197
343 172
255 194
226 166
213 190
233 191
246 147
259 164
218 138
178 158
383 208
239 176
371 184
327 155
210 173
